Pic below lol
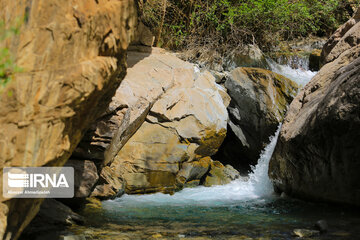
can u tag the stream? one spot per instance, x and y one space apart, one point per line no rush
243 209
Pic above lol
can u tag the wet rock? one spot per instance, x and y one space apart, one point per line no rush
314 60
93 202
306 233
73 237
192 183
70 71
218 175
314 156
296 59
231 172
322 226
296 53
259 101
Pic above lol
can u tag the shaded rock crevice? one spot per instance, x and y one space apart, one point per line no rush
259 101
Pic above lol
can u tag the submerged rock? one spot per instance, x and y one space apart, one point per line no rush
317 153
259 101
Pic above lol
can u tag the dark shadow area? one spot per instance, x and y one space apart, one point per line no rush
51 221
234 153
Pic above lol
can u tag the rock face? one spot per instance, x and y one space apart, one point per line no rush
73 59
317 155
344 38
259 100
165 119
85 178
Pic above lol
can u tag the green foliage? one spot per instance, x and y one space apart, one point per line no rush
7 65
234 22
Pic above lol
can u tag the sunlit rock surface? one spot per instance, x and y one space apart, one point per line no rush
72 55
175 115
344 38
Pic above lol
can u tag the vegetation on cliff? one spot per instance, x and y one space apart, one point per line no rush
7 65
227 24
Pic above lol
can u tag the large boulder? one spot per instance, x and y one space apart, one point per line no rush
130 105
317 154
72 55
344 38
248 56
185 120
259 101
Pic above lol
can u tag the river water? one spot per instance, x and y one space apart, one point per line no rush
240 210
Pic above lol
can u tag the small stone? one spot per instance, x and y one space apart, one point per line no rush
73 237
321 225
306 232
231 172
283 195
220 77
157 235
191 184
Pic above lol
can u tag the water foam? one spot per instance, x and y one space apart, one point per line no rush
257 187
300 75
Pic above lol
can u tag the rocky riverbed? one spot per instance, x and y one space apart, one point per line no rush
175 149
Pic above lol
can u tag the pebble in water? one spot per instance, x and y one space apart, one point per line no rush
306 232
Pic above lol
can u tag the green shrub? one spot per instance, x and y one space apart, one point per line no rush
224 23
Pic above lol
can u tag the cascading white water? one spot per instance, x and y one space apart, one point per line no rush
300 76
257 186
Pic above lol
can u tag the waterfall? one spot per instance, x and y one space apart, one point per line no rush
257 186
299 75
